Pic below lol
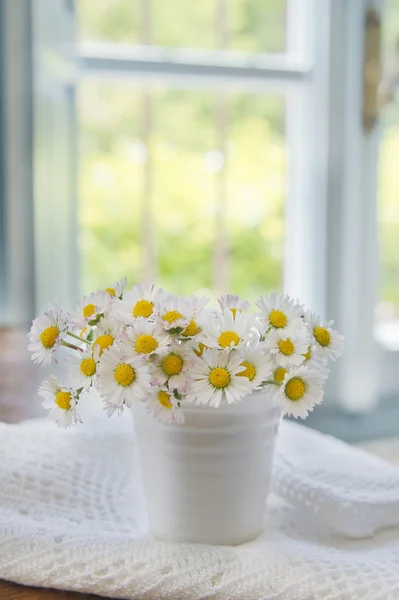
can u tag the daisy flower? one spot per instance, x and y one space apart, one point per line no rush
312 358
139 302
122 379
90 309
278 374
172 367
257 366
144 338
227 330
60 400
287 351
234 303
106 334
83 369
164 407
177 314
117 288
279 311
47 333
301 389
328 342
215 378
194 328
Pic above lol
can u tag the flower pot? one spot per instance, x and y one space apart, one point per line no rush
207 481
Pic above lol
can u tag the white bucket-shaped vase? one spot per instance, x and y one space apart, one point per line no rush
207 481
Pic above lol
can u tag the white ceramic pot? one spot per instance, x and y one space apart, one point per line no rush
207 481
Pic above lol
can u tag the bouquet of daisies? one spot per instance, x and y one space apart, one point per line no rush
145 345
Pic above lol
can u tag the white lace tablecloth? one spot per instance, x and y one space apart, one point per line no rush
72 517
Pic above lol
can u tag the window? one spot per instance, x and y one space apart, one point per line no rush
387 312
183 179
220 147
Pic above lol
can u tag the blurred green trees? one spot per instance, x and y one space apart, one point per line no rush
183 152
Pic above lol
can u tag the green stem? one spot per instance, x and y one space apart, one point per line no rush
77 337
63 343
272 381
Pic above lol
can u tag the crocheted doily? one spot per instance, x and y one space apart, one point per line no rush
72 516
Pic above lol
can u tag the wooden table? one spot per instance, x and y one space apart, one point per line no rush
19 379
12 591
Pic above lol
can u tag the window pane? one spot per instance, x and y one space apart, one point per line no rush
388 200
257 25
185 187
256 193
109 20
244 25
109 185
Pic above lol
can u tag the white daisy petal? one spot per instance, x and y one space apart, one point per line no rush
139 302
116 289
83 368
171 367
144 338
46 335
279 311
180 316
122 378
107 334
164 407
301 389
215 381
287 350
327 342
227 331
61 400
233 303
90 309
253 364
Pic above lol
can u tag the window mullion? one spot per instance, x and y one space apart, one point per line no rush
149 266
221 250
352 241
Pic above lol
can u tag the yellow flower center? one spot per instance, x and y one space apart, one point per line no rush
308 354
219 377
191 329
104 342
111 291
63 400
88 366
249 372
226 338
277 319
143 308
201 348
172 364
295 389
145 344
124 374
89 310
322 335
48 336
286 347
279 374
164 399
172 315
234 311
